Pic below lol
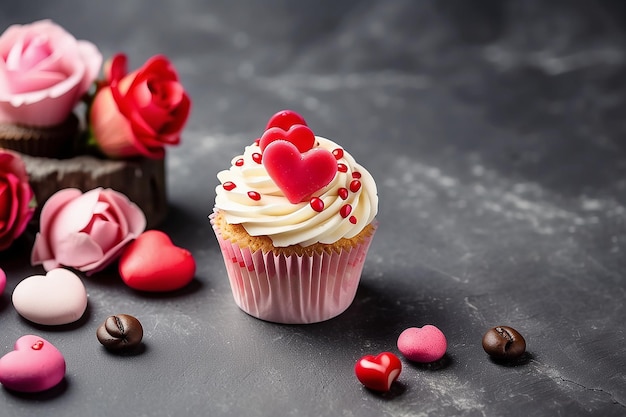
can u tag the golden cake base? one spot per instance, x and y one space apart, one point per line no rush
142 180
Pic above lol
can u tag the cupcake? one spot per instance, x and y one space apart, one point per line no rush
294 217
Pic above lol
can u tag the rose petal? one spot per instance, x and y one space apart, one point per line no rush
178 119
111 129
53 205
134 217
106 234
107 259
156 107
77 250
11 184
24 82
101 207
36 51
116 68
92 59
73 218
41 252
5 199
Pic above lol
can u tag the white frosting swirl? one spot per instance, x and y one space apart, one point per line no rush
288 224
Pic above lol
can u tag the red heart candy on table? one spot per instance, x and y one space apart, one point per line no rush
285 119
298 175
34 365
153 263
299 135
378 372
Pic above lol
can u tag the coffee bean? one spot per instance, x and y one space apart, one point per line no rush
120 332
503 342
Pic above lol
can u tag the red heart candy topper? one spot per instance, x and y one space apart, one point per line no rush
290 159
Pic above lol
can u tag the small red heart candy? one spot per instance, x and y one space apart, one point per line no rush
378 372
299 135
285 119
153 263
298 175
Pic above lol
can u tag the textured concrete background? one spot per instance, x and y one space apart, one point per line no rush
496 133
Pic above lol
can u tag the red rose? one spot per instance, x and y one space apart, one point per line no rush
141 112
15 198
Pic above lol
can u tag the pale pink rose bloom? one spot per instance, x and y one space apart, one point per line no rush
44 72
85 231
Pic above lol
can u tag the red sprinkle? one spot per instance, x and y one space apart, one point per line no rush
254 195
256 157
356 174
317 204
229 185
355 186
343 193
257 141
352 219
342 167
239 162
345 210
38 345
338 153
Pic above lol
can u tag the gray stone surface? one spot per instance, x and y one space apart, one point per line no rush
496 133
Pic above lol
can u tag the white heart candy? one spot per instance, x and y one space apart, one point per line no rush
59 297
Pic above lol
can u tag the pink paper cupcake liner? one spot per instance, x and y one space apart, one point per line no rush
293 289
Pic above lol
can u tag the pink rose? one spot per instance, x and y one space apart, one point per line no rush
139 113
85 231
15 198
44 71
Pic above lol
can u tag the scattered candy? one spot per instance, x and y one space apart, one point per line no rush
59 297
378 372
284 119
34 365
253 195
153 263
3 281
120 332
317 204
298 175
425 344
503 342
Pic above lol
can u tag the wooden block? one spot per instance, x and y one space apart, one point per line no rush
142 180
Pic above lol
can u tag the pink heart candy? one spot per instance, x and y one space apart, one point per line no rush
34 365
59 297
425 344
298 175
